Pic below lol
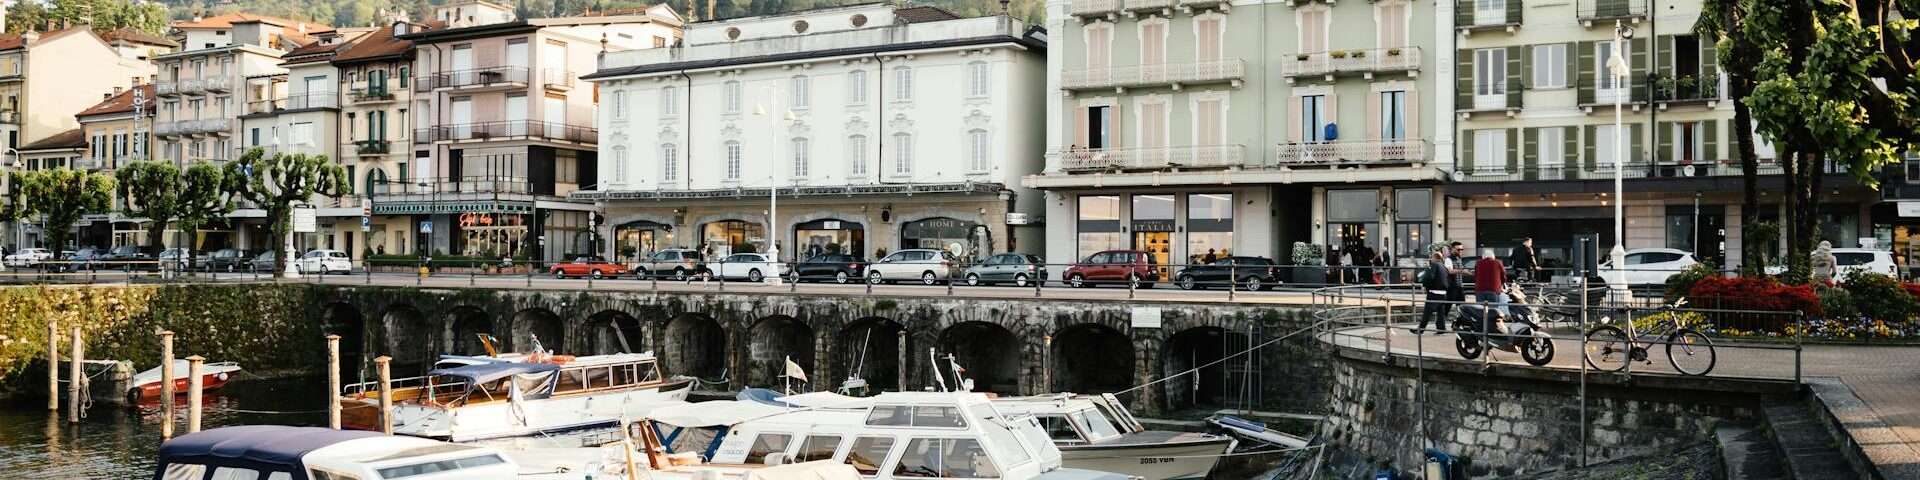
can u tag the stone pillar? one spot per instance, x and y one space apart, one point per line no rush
823 376
1147 351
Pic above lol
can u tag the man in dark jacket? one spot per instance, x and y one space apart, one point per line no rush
1525 265
1436 280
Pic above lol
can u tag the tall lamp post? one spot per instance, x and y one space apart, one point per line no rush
773 183
1618 67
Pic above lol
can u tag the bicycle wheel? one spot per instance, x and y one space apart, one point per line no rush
1608 349
1690 352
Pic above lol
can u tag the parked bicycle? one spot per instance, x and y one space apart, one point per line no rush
1609 348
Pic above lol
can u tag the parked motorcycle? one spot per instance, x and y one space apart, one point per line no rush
1478 327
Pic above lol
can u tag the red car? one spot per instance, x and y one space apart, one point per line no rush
1116 267
595 267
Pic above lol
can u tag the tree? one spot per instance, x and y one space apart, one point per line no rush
202 201
279 183
1721 20
150 190
102 15
60 197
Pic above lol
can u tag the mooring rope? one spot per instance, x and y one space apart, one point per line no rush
1307 328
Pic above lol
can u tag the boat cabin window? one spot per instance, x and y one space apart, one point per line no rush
1095 424
817 447
607 376
1059 429
945 458
767 444
424 468
184 471
915 416
867 453
318 474
233 473
1006 446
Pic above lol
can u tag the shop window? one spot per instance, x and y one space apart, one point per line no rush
1099 224
1209 226
1153 226
1413 223
964 239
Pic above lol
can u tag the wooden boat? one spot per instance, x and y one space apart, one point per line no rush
478 398
146 385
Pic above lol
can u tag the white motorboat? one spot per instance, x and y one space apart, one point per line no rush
479 398
1098 433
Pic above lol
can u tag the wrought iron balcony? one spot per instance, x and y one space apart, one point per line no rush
513 129
293 102
372 147
1365 61
489 77
369 95
1470 18
1687 89
1351 152
1152 158
1166 74
1603 12
1605 171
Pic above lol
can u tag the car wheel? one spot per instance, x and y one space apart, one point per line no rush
641 274
1185 282
597 275
1254 284
840 277
755 276
1077 281
973 279
874 278
558 275
679 273
927 278
1020 279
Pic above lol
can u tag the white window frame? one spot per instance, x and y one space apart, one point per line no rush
1393 114
902 154
733 152
903 84
620 164
1604 143
979 151
1607 88
1490 78
669 162
1490 12
1393 31
669 101
856 156
1550 148
1698 150
619 104
802 164
1313 117
730 97
1549 66
979 80
1490 152
857 87
800 92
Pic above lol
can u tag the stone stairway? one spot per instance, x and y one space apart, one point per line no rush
1747 454
1810 450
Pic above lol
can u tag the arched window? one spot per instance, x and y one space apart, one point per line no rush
376 181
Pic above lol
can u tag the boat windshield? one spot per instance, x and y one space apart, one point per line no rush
1095 424
1059 429
1005 445
440 466
916 416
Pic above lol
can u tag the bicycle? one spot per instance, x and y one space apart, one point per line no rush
1689 351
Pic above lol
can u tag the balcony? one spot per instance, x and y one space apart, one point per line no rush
1605 12
1195 5
189 87
1085 9
166 89
217 83
1686 90
292 102
557 80
1365 62
446 193
1605 171
13 76
1488 15
477 79
362 96
511 130
1147 6
996 26
1152 158
1163 75
1351 152
372 147
215 126
9 117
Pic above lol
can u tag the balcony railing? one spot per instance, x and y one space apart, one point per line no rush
1147 5
506 76
995 26
190 87
1204 4
1592 12
1152 158
1351 152
372 147
212 125
1367 61
1094 8
1216 71
1686 89
452 186
513 129
9 117
558 80
166 89
217 83
1472 17
369 95
293 102
1605 171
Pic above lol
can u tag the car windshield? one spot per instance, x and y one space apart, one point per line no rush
1847 259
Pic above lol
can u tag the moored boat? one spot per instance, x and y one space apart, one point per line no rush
479 398
1097 432
145 386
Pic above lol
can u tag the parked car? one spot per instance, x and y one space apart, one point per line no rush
29 257
1850 260
84 259
127 253
1018 268
228 259
675 263
1646 266
177 258
262 262
326 261
753 267
1116 267
1251 273
837 267
595 267
929 266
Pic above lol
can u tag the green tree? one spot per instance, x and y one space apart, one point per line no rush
203 201
60 197
1722 22
151 190
103 15
279 183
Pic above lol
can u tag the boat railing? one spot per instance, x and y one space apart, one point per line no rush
398 384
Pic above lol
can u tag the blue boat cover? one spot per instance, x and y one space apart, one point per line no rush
762 396
264 448
488 372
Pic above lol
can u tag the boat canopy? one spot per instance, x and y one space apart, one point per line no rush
490 372
264 448
827 400
716 413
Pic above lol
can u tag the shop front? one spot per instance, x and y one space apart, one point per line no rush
1371 227
1175 228
639 239
962 238
727 237
829 236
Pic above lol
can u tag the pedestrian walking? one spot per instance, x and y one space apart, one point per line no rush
1490 281
1434 279
1526 266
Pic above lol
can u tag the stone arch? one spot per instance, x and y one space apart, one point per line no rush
344 320
538 325
695 345
1091 358
464 325
872 348
1212 386
771 341
989 352
412 341
614 331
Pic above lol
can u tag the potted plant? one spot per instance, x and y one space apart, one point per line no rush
1338 54
1309 263
1393 52
1302 57
1359 54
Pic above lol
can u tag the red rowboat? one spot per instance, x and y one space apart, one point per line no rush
146 385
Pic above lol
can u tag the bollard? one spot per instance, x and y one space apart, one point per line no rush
386 393
166 384
76 375
194 384
53 366
333 381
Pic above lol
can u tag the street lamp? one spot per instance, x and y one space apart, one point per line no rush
1618 67
773 179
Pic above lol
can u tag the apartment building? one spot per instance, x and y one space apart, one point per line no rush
205 87
138 45
878 127
376 129
296 110
1196 129
1539 149
504 128
46 78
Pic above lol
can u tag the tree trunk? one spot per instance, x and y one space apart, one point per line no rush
280 213
1752 254
156 236
1790 164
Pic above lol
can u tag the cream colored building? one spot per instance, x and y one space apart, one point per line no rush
376 129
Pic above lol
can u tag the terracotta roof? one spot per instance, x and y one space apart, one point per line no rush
75 138
121 103
311 50
228 20
12 41
379 44
137 36
924 13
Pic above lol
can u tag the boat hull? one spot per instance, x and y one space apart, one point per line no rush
150 392
506 419
1171 460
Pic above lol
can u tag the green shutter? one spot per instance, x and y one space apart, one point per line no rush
1570 151
1463 81
1530 153
401 172
1513 150
1733 141
1465 161
1526 67
1665 67
1514 87
1636 154
1462 13
1513 11
1663 138
1638 59
403 77
1712 136
1587 146
1710 67
1572 67
1583 62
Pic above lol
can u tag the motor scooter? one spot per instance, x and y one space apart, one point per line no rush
1478 326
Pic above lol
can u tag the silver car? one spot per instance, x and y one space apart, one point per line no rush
928 266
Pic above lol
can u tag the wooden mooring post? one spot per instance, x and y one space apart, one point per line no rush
76 375
194 385
386 393
166 384
333 382
53 366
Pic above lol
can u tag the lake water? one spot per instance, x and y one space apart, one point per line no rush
116 442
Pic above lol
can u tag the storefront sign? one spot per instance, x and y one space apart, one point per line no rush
832 225
1017 218
1146 317
304 221
1165 225
1908 209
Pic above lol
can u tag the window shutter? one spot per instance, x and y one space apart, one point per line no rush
1665 68
1080 127
1572 67
1710 132
1467 139
1530 152
1513 150
1293 115
1733 142
1116 131
1513 11
1514 87
1587 148
1663 139
1583 77
1462 13
1330 113
1373 116
1412 113
1710 64
1637 58
1526 68
1570 151
1636 143
1463 81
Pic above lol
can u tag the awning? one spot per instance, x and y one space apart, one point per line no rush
489 372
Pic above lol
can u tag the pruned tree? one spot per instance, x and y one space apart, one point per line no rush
60 197
1722 22
279 183
203 201
151 190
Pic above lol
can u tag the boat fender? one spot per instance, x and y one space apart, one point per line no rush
222 376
